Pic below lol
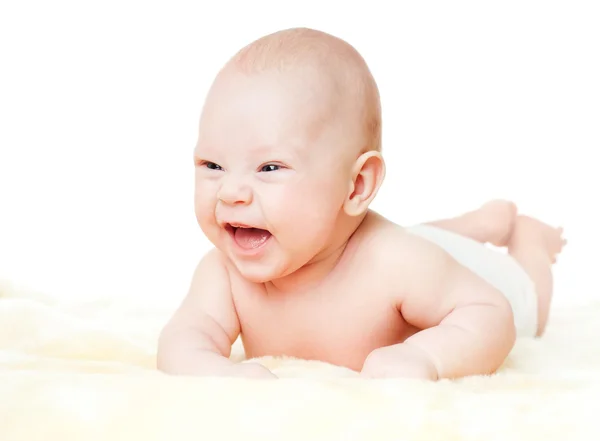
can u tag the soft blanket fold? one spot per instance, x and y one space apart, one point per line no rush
87 372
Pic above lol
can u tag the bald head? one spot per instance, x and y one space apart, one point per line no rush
339 65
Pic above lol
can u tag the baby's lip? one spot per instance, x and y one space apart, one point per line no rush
234 225
238 225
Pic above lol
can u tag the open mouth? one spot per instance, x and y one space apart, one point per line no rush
247 237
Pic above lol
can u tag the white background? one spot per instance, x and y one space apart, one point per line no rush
99 103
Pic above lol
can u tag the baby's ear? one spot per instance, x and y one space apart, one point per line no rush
367 177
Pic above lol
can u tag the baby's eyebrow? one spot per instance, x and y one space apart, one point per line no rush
197 156
265 149
203 150
289 150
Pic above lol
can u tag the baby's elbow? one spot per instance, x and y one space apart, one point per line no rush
161 349
164 349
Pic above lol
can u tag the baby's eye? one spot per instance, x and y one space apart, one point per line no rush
212 166
270 168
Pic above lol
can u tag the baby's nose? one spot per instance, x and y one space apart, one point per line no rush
235 192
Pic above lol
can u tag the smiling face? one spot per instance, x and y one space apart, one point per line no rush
273 168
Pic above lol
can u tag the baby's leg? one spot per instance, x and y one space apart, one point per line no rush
493 222
535 246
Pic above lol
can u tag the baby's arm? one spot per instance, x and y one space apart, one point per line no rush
198 338
467 325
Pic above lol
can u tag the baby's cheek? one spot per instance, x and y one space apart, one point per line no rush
204 206
310 211
297 205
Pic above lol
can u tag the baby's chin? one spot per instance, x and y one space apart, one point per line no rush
275 263
259 271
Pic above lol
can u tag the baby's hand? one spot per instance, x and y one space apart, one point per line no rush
399 361
249 370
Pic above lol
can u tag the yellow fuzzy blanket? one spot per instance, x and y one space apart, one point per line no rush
87 372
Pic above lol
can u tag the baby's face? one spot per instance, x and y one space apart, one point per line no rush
272 171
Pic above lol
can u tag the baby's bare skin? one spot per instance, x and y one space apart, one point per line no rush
363 312
353 311
287 162
409 285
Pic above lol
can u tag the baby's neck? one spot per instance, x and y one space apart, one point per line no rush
309 276
319 269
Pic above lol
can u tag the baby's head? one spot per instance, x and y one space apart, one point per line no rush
288 154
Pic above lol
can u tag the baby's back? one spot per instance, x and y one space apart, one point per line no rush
351 313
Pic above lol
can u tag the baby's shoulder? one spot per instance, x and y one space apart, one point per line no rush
392 248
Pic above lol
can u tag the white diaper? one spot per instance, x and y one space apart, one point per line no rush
500 270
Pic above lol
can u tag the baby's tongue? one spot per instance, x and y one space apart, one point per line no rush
250 238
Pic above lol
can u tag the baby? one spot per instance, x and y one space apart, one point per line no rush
287 162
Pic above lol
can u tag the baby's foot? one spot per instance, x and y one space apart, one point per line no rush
528 229
498 218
